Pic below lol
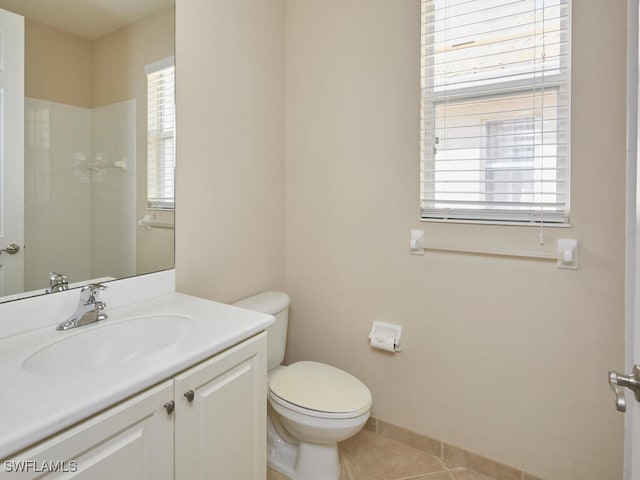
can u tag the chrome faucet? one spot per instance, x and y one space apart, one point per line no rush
89 308
58 282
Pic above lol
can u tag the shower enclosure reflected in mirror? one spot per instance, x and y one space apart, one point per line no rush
98 141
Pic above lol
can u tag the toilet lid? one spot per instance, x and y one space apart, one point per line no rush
316 386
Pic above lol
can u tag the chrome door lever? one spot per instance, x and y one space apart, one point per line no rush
12 249
631 381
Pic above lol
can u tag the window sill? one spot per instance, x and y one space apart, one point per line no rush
489 222
460 237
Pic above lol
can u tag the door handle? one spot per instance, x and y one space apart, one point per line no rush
12 249
631 381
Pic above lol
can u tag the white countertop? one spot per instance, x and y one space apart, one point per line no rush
35 406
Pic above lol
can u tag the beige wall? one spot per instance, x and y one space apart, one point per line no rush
119 59
57 65
504 357
230 185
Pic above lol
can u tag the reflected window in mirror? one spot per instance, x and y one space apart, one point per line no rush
160 135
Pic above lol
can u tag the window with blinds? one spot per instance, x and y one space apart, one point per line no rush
495 110
160 135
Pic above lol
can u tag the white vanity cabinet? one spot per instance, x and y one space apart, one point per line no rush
218 433
131 440
220 427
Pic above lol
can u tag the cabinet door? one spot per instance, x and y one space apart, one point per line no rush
133 440
221 433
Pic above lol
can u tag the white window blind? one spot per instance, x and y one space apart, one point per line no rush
160 134
495 110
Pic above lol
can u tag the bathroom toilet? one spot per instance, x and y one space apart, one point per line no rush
311 406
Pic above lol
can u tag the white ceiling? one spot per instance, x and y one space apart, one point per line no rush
86 18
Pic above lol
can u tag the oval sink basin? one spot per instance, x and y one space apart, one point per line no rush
107 346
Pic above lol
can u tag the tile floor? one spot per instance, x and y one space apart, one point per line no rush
370 456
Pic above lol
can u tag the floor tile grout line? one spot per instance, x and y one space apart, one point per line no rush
345 464
444 467
427 476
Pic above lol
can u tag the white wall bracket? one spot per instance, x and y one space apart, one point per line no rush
568 253
416 244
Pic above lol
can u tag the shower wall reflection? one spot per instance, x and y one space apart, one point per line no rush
80 191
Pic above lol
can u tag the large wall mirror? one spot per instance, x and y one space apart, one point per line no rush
99 127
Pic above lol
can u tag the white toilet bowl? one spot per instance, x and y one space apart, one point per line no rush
312 406
318 406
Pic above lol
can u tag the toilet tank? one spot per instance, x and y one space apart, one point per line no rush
276 304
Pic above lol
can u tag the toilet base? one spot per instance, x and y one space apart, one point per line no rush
304 461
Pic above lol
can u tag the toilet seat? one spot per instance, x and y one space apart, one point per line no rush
319 390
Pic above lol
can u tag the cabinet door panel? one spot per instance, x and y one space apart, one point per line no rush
133 440
221 434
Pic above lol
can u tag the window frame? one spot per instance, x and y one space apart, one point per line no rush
431 98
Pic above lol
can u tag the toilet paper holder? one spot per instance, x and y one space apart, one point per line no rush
385 336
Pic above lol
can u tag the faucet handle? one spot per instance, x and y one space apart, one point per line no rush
90 292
